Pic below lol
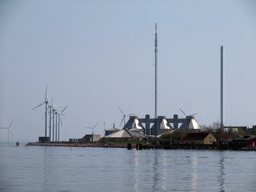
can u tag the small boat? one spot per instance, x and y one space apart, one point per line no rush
17 144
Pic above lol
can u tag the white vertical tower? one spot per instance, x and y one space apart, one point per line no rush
156 80
156 71
221 87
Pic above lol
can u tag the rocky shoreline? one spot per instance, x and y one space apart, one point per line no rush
140 147
68 144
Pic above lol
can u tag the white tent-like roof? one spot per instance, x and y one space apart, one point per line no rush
163 124
193 124
135 124
125 134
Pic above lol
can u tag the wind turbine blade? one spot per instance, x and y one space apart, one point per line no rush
10 124
194 114
38 106
60 121
183 112
64 109
10 131
121 110
122 121
95 125
46 93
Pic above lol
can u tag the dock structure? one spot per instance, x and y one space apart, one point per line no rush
161 124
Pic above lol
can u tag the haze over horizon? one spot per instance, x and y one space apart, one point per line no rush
98 55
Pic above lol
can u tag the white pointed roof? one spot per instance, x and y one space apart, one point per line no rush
125 134
163 124
135 124
193 124
119 134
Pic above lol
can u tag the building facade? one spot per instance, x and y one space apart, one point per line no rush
198 138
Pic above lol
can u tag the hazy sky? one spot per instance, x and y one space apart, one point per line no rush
98 55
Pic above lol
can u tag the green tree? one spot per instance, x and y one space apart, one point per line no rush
173 137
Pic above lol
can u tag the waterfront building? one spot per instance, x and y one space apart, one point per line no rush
225 141
198 138
91 138
245 141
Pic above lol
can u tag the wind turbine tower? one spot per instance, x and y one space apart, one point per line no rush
50 120
56 125
60 122
53 111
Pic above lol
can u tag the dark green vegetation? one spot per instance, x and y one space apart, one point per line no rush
218 134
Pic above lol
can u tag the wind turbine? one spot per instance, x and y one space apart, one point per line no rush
59 121
124 115
9 131
92 127
46 103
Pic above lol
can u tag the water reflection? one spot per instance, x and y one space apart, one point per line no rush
59 169
50 168
45 165
136 171
164 171
155 170
221 176
194 179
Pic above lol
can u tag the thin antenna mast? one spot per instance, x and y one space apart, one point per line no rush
221 87
156 71
156 79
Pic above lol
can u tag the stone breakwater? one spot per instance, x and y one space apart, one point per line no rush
67 144
140 147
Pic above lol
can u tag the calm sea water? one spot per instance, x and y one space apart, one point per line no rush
110 169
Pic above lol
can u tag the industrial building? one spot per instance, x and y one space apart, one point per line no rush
155 127
90 138
125 134
111 130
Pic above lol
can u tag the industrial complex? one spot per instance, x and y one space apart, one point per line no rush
136 127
